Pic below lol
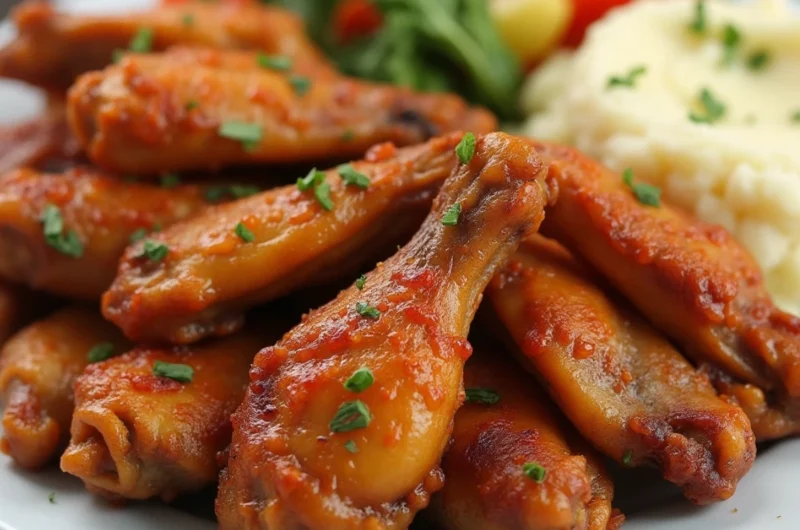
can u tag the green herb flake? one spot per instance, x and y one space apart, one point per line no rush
352 415
628 80
244 233
313 178
154 251
100 352
731 40
170 180
142 42
52 497
360 380
192 104
450 217
348 135
758 60
645 193
117 55
699 23
322 192
361 281
484 396
713 109
177 372
368 311
534 471
627 457
300 84
350 446
53 230
351 177
249 134
188 20
138 235
465 149
239 191
280 63
795 116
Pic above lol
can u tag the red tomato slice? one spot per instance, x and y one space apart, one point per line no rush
586 12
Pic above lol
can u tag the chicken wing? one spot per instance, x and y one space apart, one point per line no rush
205 109
211 275
18 307
52 48
346 418
137 434
64 233
37 369
624 387
486 484
692 280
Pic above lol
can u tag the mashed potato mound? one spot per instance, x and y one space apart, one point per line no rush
741 171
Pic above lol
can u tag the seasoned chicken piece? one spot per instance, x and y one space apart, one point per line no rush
692 280
211 274
37 369
624 387
206 109
346 418
64 233
52 48
18 307
142 429
513 465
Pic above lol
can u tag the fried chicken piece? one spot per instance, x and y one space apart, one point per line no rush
190 109
315 445
37 369
624 387
692 280
100 211
486 487
18 307
137 435
52 49
211 275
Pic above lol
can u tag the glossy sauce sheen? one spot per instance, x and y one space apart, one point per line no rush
622 385
287 470
133 116
211 275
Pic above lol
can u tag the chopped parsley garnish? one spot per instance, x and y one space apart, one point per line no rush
52 497
322 192
170 180
351 177
485 396
731 40
348 135
154 251
360 380
368 311
796 116
534 471
351 415
645 193
466 148
300 84
627 457
250 134
274 62
237 191
699 23
188 20
53 229
758 60
450 217
713 109
192 104
138 235
627 80
177 372
350 446
313 178
361 281
244 233
100 352
142 42
116 55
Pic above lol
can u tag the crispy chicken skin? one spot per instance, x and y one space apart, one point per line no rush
485 487
102 210
211 275
136 435
624 387
290 466
54 48
692 280
164 112
37 369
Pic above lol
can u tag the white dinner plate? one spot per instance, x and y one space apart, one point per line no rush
767 498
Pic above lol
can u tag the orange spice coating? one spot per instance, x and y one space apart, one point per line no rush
103 210
211 275
623 386
287 468
163 112
53 49
38 367
692 280
485 487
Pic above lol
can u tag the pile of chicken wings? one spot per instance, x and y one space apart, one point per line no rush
483 315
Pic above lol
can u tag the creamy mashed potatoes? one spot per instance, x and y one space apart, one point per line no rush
710 116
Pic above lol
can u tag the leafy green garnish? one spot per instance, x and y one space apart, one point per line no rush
177 372
534 471
361 281
142 42
100 352
360 380
450 217
351 177
188 20
796 116
758 60
645 193
350 446
351 415
627 457
368 311
53 230
192 104
250 134
244 233
300 84
154 251
322 192
465 149
699 23
731 40
313 178
627 80
485 396
713 109
274 62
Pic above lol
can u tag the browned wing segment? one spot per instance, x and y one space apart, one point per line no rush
486 487
206 109
37 369
53 48
211 275
101 212
692 280
624 387
307 451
